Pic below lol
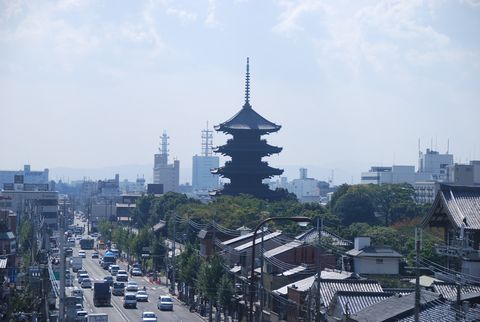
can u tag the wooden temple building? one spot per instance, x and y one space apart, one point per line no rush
246 170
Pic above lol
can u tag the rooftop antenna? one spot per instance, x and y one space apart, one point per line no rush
207 142
163 149
247 85
448 145
419 150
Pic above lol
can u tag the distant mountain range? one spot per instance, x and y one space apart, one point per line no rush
342 173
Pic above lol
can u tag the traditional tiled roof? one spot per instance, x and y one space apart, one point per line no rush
461 204
449 290
443 311
293 271
283 248
374 251
301 285
249 244
248 119
237 239
354 302
393 308
329 287
311 236
399 291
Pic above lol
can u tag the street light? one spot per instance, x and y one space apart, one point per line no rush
299 219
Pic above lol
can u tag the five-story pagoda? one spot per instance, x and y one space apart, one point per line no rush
246 170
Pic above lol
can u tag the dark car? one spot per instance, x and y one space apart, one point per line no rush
109 280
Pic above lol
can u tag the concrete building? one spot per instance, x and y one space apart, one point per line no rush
42 202
164 173
393 175
425 191
435 164
29 176
464 174
202 178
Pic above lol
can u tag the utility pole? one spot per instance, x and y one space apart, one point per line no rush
260 293
317 264
417 274
61 313
174 250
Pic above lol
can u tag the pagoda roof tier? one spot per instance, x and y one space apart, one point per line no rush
260 191
261 169
247 119
260 147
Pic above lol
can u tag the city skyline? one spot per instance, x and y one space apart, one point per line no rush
353 84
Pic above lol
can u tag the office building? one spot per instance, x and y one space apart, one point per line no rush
164 173
29 176
202 178
435 164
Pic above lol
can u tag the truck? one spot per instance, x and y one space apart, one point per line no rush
108 260
76 263
101 293
86 243
98 317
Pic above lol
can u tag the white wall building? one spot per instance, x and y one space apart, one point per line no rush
435 164
202 178
29 176
369 259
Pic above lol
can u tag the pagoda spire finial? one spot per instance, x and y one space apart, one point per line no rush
247 85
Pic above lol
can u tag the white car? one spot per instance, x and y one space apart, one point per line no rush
142 296
81 277
131 287
149 317
82 254
82 315
77 292
86 283
136 272
165 303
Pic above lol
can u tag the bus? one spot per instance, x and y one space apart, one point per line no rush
86 243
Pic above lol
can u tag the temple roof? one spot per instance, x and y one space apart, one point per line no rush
247 118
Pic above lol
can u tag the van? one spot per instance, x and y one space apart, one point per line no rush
118 288
130 300
114 269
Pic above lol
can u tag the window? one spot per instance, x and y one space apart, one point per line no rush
379 260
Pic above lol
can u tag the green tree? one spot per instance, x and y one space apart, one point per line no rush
188 266
105 228
356 206
341 190
25 236
208 280
225 294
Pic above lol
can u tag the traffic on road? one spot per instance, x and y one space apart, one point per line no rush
104 287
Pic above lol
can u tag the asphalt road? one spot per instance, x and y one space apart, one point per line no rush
116 312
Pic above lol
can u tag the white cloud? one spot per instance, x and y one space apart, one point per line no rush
293 11
211 20
382 34
183 15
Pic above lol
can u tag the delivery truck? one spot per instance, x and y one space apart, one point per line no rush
101 293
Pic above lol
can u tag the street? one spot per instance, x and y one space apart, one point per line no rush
116 312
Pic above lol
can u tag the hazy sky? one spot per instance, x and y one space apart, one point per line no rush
90 84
